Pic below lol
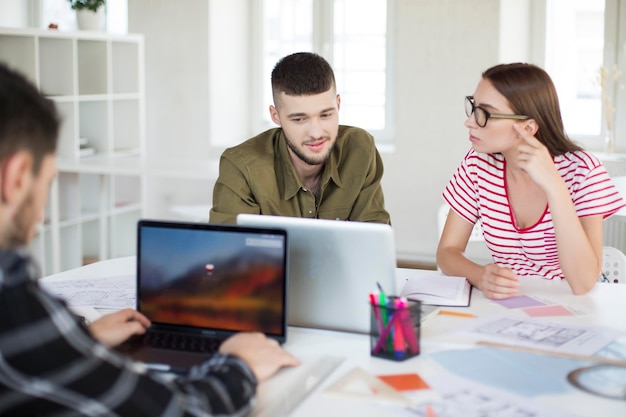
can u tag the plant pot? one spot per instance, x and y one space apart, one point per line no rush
88 20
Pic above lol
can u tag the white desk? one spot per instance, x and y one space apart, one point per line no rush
605 305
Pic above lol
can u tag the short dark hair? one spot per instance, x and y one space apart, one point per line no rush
530 91
302 74
28 121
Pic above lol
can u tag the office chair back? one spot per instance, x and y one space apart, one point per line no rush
613 266
442 215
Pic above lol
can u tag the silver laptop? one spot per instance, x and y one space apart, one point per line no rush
333 267
200 283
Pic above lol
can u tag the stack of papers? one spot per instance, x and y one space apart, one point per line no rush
434 288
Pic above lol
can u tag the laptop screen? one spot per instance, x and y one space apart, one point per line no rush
215 277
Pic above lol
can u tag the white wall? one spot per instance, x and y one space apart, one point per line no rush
14 13
442 48
229 66
177 94
177 75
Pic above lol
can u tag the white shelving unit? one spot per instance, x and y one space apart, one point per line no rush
96 80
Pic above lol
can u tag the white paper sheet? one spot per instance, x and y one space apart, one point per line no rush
463 397
116 292
542 334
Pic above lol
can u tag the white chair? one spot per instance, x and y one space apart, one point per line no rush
442 215
476 249
613 266
614 228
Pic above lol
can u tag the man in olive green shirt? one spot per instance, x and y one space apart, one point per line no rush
310 166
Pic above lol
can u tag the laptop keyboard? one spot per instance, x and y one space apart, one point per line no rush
177 341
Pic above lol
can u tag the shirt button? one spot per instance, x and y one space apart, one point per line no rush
304 189
310 212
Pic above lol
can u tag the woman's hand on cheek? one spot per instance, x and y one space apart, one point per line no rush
533 157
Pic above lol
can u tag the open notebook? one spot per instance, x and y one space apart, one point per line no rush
434 288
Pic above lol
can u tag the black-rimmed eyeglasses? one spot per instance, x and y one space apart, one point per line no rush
481 116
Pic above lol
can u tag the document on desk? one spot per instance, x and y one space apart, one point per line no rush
433 288
542 335
465 397
117 292
458 396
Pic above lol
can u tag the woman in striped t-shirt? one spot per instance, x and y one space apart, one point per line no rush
540 198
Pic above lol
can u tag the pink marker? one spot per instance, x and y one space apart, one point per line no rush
407 326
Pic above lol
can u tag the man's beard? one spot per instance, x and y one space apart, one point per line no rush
19 233
306 159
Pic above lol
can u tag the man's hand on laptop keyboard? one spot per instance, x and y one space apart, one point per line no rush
263 355
113 329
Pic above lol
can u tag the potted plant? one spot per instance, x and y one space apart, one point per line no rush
89 13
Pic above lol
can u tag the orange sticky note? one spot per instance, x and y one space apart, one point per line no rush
405 382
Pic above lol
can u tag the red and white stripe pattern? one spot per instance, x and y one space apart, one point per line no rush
478 190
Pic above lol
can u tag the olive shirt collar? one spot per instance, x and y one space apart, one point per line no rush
289 182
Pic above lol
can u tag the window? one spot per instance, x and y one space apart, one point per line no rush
352 35
574 55
581 43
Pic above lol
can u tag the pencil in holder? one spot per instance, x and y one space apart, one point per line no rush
395 329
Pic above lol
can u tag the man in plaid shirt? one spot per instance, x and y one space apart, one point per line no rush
52 365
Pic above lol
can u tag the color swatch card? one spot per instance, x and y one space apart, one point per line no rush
548 311
413 387
520 301
536 307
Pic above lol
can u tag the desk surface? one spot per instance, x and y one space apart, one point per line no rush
604 306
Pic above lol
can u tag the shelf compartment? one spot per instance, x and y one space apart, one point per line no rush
92 67
71 253
91 242
18 52
67 146
56 67
125 67
69 196
93 196
94 125
126 126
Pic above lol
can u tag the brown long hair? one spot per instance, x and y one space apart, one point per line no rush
530 91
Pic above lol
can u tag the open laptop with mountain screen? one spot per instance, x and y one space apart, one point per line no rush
200 283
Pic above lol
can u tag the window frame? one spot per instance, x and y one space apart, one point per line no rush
322 42
614 54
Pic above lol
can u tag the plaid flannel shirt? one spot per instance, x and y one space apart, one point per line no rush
51 366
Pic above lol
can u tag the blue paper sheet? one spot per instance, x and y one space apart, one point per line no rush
523 373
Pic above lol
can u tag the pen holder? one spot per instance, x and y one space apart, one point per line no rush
395 329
